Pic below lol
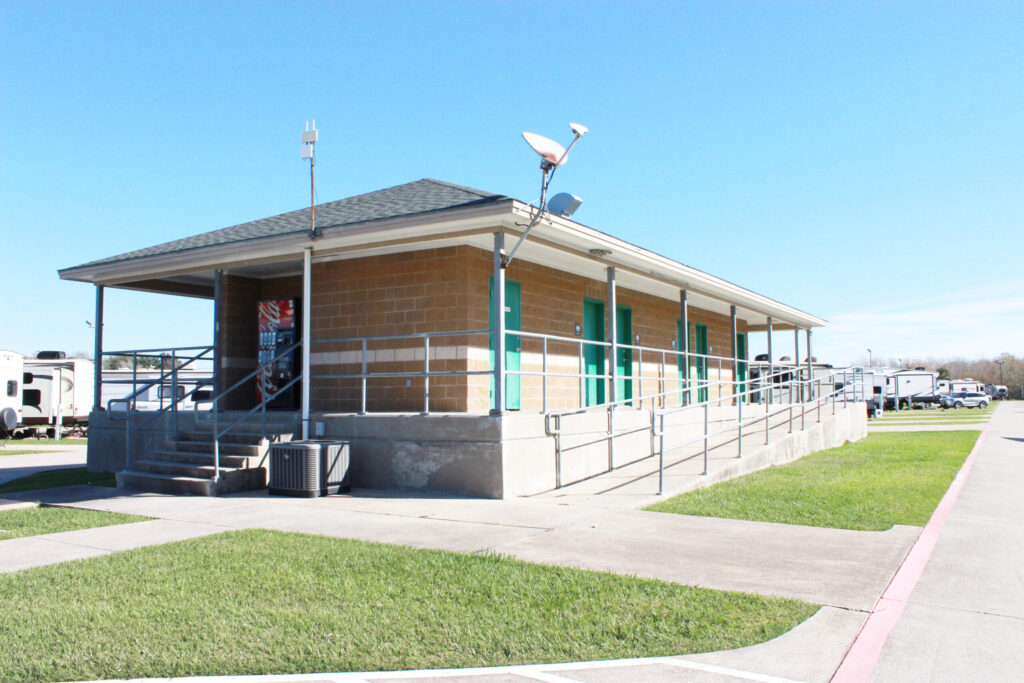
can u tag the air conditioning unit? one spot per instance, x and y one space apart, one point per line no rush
309 468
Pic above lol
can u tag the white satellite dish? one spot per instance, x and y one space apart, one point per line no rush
549 150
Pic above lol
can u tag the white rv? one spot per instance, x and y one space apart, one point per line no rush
947 387
12 372
56 392
193 387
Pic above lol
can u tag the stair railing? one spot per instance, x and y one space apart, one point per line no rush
218 433
130 400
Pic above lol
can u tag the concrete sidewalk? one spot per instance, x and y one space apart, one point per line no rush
45 457
965 618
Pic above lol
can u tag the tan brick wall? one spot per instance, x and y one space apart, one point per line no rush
447 289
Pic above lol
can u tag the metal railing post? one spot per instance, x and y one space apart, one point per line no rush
426 375
661 454
135 374
216 440
739 422
544 376
583 378
707 405
174 388
362 405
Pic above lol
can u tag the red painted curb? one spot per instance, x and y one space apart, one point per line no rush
861 658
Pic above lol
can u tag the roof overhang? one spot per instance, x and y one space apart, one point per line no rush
555 242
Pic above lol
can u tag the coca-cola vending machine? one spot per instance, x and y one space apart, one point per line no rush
279 329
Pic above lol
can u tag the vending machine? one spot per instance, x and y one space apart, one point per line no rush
278 329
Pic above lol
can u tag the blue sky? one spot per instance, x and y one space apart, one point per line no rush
860 161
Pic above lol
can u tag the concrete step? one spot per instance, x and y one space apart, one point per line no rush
244 438
231 481
226 447
196 458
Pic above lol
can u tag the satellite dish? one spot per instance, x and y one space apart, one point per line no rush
8 419
549 150
564 204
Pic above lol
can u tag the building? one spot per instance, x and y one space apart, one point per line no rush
395 294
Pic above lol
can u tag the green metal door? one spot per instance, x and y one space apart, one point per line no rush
700 347
593 356
624 363
741 366
513 342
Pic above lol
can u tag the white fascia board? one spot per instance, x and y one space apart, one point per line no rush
641 261
287 247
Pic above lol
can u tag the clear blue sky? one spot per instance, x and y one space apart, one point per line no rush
860 161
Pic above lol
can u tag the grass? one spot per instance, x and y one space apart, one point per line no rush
53 478
4 451
49 520
262 602
884 479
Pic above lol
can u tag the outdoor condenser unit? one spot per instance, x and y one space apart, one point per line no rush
309 468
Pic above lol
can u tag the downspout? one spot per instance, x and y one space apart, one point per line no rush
684 343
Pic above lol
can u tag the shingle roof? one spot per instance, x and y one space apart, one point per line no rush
421 196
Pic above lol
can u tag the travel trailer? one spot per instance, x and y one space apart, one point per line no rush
11 377
57 391
947 387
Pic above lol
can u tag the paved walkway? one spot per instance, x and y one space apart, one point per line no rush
965 620
49 455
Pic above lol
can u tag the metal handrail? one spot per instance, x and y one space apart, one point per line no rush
130 399
262 405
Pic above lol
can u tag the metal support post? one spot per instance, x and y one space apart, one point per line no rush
771 365
684 343
810 369
97 369
307 307
218 311
611 320
796 364
735 357
498 328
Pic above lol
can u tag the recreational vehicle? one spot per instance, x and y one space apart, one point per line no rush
56 392
11 376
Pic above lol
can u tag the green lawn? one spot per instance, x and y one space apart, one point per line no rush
259 602
54 478
49 520
23 451
881 480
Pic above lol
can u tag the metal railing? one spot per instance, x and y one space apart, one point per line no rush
426 373
130 401
219 433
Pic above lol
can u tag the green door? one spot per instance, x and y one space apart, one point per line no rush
700 347
513 321
593 356
624 364
741 366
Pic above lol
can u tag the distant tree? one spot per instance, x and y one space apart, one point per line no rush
943 373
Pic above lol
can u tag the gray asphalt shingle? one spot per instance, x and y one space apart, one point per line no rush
421 196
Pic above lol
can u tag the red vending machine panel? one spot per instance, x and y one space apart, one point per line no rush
278 329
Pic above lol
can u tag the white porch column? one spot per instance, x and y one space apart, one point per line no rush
796 362
771 363
735 355
307 292
611 322
498 326
684 343
97 355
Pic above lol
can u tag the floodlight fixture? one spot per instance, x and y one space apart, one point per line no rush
552 155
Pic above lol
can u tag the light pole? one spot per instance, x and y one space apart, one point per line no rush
869 358
1000 363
